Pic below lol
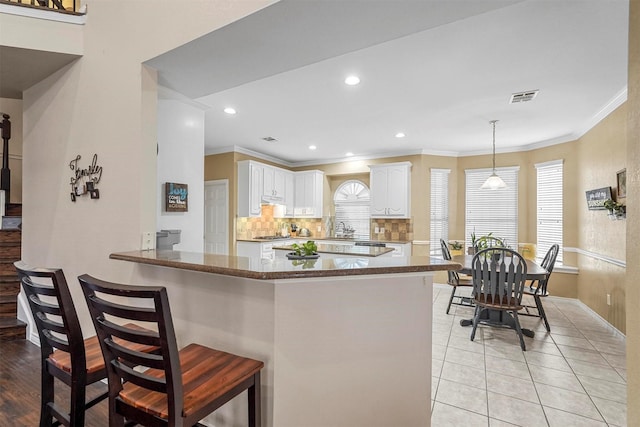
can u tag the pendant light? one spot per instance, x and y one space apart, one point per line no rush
494 182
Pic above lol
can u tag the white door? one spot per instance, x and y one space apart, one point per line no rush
216 217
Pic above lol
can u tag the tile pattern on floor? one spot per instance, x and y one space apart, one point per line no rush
572 376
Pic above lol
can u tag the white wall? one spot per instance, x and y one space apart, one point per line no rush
181 160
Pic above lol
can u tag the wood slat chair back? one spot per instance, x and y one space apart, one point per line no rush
65 353
498 276
173 388
538 288
455 281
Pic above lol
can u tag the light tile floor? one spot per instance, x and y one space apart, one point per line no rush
573 376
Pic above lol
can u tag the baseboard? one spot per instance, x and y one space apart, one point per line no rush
591 312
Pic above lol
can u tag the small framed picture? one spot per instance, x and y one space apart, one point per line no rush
621 180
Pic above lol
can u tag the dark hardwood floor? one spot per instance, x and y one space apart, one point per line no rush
20 388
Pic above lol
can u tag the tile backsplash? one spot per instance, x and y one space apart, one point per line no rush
267 225
394 229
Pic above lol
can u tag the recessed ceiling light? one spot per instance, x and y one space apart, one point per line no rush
352 80
230 110
269 139
400 135
312 147
349 154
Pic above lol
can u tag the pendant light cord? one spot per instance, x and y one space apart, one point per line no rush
493 122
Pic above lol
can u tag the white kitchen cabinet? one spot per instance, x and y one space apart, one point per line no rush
289 194
261 250
250 185
273 184
309 187
391 190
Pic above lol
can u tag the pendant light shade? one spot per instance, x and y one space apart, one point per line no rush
494 182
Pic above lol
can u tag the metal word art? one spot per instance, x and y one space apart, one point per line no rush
84 181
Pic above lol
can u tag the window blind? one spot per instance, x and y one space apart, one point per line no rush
549 207
492 211
439 228
352 203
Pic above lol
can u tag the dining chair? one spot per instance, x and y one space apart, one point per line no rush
538 288
455 281
65 354
172 388
498 276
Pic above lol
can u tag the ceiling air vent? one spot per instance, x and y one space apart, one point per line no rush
269 139
519 97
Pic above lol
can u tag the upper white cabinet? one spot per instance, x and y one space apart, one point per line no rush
289 195
308 194
300 193
391 190
250 179
273 184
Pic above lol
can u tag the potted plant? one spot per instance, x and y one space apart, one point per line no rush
307 250
616 210
455 247
484 242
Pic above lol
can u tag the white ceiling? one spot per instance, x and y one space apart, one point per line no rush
437 70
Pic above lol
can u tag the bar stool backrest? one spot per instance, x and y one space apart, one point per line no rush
152 306
53 313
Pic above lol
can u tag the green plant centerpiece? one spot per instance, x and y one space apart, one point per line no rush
455 245
616 210
308 250
484 242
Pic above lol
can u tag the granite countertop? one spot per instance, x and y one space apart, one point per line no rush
282 268
319 239
351 250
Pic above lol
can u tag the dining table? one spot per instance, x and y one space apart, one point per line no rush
534 272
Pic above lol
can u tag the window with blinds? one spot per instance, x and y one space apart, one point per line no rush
352 200
439 209
492 211
549 207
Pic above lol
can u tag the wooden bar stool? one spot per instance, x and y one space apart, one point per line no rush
177 388
66 355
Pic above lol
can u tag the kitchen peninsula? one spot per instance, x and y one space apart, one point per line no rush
345 343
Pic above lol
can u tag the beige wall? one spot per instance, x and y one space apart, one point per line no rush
633 227
602 152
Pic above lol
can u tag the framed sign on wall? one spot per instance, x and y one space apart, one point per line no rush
176 197
597 197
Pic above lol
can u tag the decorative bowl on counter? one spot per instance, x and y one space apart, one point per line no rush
292 255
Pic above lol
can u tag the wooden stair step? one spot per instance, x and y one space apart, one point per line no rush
13 209
12 329
9 310
12 252
10 236
7 268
